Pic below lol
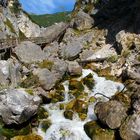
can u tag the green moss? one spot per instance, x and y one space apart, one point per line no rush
56 96
76 93
89 81
113 59
16 7
30 81
14 131
21 35
94 131
74 84
10 25
28 137
42 113
138 58
45 124
46 64
92 99
125 53
30 91
68 114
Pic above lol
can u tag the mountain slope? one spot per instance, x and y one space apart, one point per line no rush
49 19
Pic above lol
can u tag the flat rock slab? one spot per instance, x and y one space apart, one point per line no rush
17 106
29 52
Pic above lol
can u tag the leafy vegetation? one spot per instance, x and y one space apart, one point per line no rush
49 19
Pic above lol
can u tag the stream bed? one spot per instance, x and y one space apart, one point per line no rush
66 129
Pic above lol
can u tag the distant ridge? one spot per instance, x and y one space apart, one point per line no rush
49 19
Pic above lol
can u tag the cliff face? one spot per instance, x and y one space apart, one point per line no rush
16 23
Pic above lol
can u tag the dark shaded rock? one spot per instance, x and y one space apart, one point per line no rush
130 129
17 106
95 132
111 113
29 52
136 101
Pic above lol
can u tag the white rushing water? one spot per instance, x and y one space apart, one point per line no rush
65 129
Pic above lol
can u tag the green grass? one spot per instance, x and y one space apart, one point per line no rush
50 19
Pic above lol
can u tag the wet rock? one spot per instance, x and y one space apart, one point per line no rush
29 52
47 79
42 114
71 50
17 106
95 132
68 114
89 81
78 106
74 68
74 84
111 113
130 129
28 137
83 21
45 124
56 96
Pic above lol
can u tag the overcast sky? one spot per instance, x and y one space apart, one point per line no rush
47 6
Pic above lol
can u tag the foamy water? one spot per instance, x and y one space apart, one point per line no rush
65 129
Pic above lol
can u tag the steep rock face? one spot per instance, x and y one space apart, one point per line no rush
29 28
15 23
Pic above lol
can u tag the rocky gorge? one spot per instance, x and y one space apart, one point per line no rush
81 83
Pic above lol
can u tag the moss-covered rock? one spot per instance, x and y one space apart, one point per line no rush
42 113
74 84
68 114
78 106
45 124
56 96
28 137
89 81
46 64
30 81
95 132
10 132
113 58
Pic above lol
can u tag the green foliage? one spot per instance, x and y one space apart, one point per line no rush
50 19
16 7
10 25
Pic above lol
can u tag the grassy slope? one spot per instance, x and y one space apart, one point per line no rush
49 19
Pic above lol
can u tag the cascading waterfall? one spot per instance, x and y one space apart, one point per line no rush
65 129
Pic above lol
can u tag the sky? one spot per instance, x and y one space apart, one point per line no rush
47 6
